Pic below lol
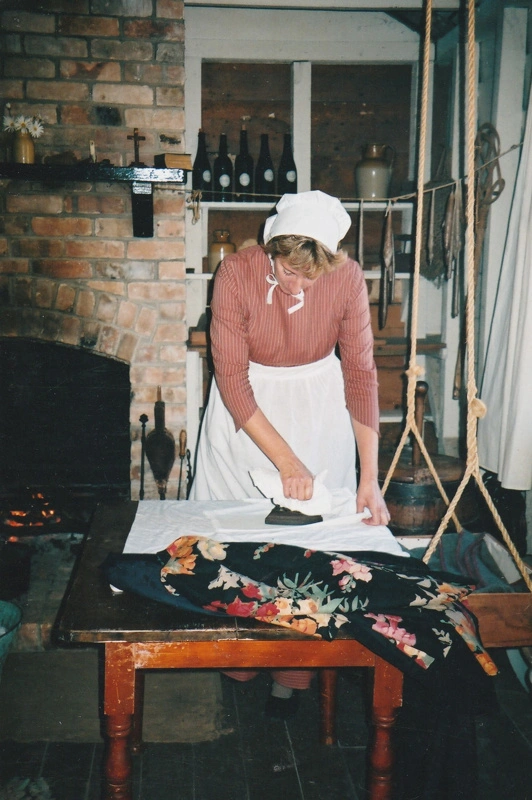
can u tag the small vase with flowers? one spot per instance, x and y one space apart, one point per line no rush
25 130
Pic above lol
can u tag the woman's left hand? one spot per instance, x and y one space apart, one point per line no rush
369 493
369 496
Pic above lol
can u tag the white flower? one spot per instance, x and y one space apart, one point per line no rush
32 125
9 123
21 123
225 579
211 550
36 127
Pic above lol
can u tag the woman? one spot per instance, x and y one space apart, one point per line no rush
280 395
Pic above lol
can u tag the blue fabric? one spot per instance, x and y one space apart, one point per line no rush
141 574
466 554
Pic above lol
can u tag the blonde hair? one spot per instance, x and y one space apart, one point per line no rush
304 254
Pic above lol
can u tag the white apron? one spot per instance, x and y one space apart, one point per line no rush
305 404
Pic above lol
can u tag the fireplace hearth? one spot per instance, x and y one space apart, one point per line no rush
34 510
38 512
64 436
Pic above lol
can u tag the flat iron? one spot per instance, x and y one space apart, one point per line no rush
279 515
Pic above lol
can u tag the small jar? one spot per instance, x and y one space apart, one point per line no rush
374 172
219 248
23 148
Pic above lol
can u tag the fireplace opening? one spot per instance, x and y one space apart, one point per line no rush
64 435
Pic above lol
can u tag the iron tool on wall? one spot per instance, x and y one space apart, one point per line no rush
160 448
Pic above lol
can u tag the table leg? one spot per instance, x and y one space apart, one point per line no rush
387 698
119 708
136 735
118 757
328 679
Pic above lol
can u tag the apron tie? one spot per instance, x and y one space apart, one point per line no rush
300 297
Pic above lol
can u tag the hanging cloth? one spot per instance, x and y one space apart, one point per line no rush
505 434
432 257
388 269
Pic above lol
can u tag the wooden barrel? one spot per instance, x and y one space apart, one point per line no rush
414 501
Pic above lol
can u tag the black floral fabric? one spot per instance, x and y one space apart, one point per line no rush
395 606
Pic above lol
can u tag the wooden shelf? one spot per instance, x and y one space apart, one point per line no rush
350 205
141 180
107 173
394 347
369 275
388 347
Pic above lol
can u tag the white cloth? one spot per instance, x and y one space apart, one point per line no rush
315 215
268 482
158 523
505 433
305 404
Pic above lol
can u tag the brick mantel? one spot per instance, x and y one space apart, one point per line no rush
71 271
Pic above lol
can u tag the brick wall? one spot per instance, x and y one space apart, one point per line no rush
70 269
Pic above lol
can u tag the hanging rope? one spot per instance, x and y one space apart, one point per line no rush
194 203
475 407
415 370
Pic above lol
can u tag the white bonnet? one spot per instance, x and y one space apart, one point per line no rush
315 215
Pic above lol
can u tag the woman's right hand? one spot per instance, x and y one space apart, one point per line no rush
298 482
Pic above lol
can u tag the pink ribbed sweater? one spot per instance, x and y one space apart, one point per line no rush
245 328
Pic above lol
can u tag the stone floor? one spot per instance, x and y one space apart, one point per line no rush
52 560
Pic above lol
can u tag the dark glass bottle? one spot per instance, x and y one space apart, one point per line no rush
201 169
265 173
222 185
287 172
243 170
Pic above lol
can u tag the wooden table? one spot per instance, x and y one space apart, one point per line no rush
138 634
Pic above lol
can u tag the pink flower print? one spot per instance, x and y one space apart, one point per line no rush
388 625
360 572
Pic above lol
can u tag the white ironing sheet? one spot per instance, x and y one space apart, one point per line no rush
158 523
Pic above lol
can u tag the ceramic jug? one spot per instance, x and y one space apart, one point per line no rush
373 173
23 148
219 248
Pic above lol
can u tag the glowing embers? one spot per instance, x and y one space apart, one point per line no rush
31 510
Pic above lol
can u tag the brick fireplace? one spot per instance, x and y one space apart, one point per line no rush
71 272
64 435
